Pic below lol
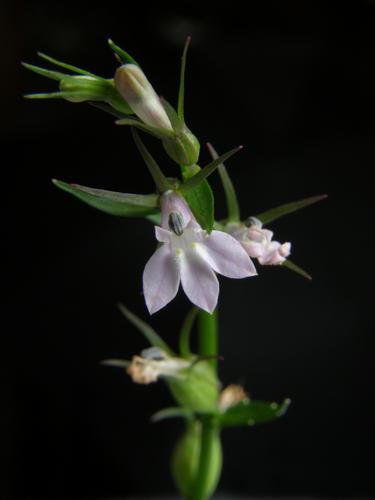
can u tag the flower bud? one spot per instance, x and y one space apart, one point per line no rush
133 86
185 460
183 148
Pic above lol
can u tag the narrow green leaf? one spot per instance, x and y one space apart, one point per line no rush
160 180
133 122
111 202
150 334
184 341
175 411
124 56
176 122
201 202
53 75
118 363
181 92
293 267
230 193
67 66
252 412
275 213
194 181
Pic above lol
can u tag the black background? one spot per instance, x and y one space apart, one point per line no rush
292 81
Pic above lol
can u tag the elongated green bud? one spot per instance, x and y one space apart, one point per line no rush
83 88
186 457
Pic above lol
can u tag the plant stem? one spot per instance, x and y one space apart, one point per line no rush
207 346
207 335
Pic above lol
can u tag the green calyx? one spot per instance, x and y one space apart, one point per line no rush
183 147
197 389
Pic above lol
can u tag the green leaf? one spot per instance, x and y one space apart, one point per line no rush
184 341
175 411
124 56
252 412
293 267
201 175
181 92
275 213
150 334
230 192
111 202
160 180
67 66
201 202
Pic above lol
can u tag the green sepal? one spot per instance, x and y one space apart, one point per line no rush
153 338
251 412
124 56
117 363
134 122
293 267
53 75
161 182
176 122
173 412
200 200
108 109
184 340
230 193
69 67
181 92
111 202
288 208
155 219
202 174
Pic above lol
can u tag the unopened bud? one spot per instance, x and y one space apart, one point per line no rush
133 86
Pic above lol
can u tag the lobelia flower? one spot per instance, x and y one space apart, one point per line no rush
191 256
258 242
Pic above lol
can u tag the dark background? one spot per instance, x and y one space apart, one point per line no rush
292 81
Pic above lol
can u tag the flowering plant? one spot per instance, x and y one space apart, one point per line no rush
192 248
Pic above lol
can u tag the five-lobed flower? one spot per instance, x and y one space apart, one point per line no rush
192 257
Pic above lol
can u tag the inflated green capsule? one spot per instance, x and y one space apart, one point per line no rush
186 457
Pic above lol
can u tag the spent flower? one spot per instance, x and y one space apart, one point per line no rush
258 242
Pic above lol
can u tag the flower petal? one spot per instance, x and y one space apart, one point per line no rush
160 279
226 255
198 281
162 235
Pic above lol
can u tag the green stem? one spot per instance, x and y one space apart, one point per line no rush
207 336
208 437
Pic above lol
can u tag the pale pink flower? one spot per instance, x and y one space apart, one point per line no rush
190 255
258 243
